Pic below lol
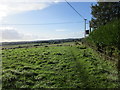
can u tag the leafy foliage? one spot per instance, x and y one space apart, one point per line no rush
106 40
108 35
104 12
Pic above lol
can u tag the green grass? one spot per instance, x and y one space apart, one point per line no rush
23 45
57 66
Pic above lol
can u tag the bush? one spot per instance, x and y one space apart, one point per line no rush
108 35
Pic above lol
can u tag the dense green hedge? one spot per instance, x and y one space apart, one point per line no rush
107 35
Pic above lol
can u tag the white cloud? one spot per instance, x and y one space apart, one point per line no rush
7 28
8 7
57 1
8 34
13 34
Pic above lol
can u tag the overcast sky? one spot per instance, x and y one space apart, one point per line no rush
22 20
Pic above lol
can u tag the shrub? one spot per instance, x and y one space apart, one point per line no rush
108 35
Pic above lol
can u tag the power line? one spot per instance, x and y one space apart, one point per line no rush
78 14
74 9
45 23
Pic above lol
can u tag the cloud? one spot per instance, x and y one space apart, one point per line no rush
7 28
57 1
13 34
10 33
8 7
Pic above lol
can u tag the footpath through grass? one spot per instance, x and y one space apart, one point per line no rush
72 66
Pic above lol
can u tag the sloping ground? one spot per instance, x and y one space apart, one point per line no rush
72 66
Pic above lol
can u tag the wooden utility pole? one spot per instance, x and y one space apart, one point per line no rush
90 26
85 27
78 14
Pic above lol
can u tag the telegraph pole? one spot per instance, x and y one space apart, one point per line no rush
90 26
85 27
78 14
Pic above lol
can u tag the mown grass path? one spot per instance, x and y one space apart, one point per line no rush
56 67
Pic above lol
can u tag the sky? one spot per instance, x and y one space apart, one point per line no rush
29 21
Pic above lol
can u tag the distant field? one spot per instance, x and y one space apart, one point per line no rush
32 45
65 65
22 45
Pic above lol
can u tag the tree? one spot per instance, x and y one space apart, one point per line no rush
104 12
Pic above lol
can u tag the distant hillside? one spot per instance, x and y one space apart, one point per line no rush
42 41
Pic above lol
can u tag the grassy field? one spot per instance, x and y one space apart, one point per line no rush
57 66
